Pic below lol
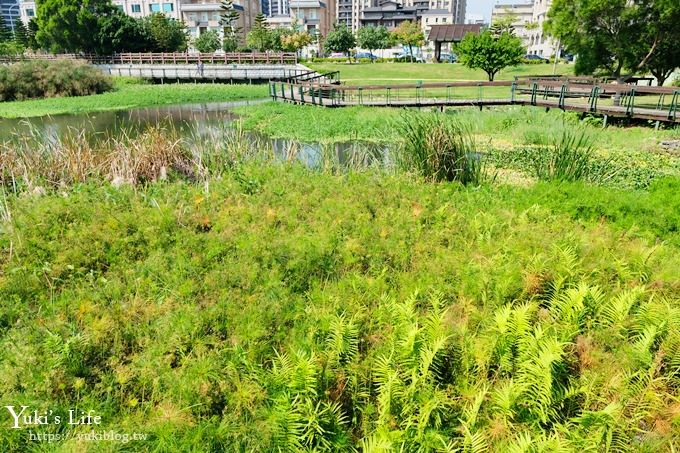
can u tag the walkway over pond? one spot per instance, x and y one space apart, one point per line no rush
206 67
616 100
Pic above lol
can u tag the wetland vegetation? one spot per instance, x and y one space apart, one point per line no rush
212 291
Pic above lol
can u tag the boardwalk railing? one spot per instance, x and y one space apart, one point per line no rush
167 58
643 102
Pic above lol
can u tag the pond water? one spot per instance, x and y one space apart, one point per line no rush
191 121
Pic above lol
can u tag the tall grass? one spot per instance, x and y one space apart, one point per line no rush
567 158
438 148
47 79
37 161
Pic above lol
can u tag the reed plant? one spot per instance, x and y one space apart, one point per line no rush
439 148
567 158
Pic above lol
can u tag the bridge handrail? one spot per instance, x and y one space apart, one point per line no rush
166 58
605 88
504 83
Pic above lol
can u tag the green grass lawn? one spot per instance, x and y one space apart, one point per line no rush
133 95
282 309
401 73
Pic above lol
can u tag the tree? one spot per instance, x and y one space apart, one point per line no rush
340 39
70 25
663 30
372 38
5 31
295 41
208 42
491 54
260 37
614 34
21 34
33 28
228 19
166 34
504 24
409 34
122 33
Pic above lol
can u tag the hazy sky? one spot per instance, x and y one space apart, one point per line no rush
480 7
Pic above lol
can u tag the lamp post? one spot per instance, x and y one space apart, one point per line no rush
11 18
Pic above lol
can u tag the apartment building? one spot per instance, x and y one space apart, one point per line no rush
539 43
198 15
313 16
529 18
521 14
204 15
9 9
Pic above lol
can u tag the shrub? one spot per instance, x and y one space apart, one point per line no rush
45 79
439 149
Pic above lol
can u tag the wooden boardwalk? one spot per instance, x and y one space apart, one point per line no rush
623 101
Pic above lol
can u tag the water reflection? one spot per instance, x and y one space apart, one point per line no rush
196 123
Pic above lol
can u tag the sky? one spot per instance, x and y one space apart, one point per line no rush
480 7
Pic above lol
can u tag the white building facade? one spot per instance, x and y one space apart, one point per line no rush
198 15
529 18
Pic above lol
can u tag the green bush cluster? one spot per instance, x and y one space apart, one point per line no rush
47 79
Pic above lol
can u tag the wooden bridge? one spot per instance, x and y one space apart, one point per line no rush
616 100
205 67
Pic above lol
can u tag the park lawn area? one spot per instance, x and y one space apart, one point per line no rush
128 94
402 73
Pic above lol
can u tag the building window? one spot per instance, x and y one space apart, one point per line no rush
155 7
168 7
443 19
136 8
30 12
121 8
427 19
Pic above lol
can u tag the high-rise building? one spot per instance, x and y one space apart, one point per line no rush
9 9
279 7
528 23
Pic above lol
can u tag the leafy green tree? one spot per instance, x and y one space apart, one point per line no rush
372 38
70 25
228 19
166 34
260 37
340 39
295 41
122 33
277 36
11 48
489 53
208 42
409 34
614 35
33 28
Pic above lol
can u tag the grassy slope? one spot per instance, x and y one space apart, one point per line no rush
161 309
128 95
398 73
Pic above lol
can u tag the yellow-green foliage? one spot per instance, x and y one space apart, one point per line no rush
279 309
48 79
